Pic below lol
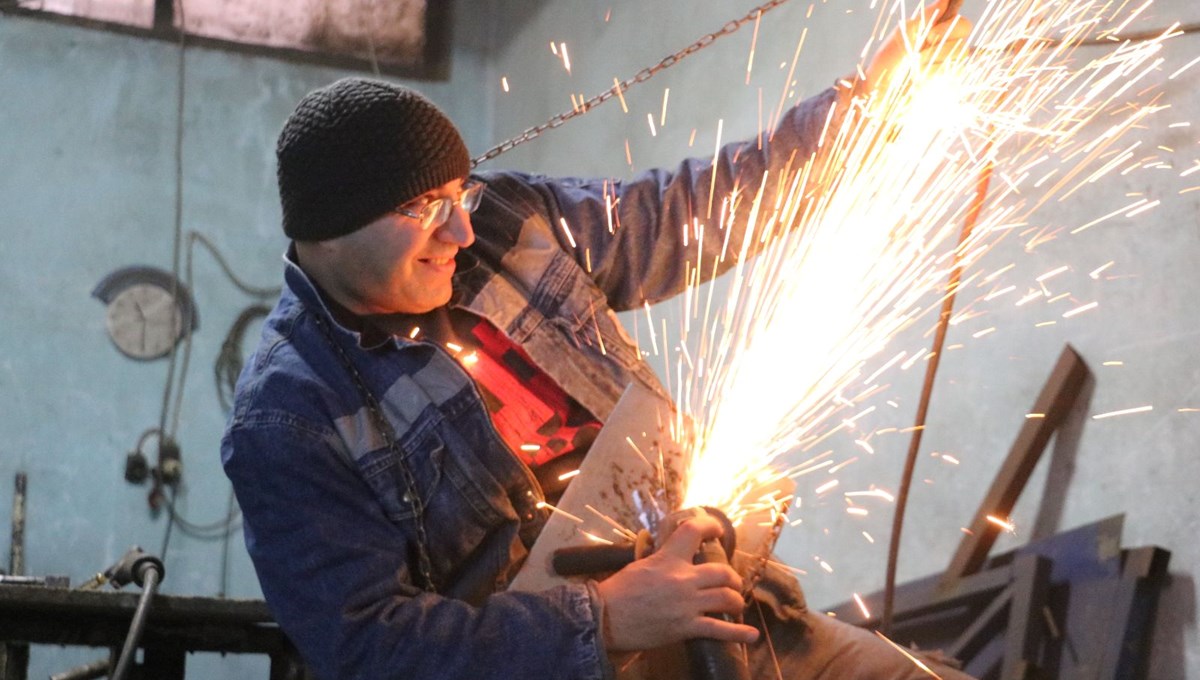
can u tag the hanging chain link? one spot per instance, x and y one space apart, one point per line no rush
620 88
411 492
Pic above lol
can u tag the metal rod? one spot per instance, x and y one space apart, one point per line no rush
95 669
129 651
910 462
16 555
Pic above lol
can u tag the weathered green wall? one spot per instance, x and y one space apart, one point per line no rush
87 126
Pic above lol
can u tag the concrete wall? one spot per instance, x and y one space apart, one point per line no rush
1141 465
87 138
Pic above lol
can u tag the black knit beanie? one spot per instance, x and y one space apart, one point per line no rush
355 149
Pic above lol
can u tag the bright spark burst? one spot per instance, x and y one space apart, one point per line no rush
916 662
558 511
1122 412
840 271
1002 523
862 606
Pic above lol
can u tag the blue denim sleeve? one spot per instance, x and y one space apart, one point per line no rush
645 257
333 569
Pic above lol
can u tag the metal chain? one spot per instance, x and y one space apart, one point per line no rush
620 88
411 491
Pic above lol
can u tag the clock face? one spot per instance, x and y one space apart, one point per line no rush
144 321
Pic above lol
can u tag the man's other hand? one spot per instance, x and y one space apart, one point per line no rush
921 44
664 598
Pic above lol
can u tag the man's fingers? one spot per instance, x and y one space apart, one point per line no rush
716 629
932 17
687 537
716 576
946 9
719 601
954 30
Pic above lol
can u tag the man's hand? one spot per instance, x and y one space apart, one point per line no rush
922 43
664 598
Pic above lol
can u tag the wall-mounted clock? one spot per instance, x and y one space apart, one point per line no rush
149 311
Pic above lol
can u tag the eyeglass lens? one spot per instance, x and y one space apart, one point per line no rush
436 212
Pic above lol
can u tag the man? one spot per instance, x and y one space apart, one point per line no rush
444 345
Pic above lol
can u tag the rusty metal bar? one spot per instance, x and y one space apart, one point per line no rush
1049 410
16 552
1030 594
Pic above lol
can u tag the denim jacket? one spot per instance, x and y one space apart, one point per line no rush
328 514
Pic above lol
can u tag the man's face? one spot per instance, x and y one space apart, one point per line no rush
393 265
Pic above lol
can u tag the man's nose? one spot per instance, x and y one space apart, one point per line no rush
457 229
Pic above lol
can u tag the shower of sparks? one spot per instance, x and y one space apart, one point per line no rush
620 95
567 230
1122 412
862 606
1002 523
877 493
620 530
917 662
773 369
753 45
564 513
1080 310
595 539
566 58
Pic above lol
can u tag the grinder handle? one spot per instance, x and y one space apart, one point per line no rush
711 659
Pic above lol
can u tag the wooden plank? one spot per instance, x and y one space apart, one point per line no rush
1054 403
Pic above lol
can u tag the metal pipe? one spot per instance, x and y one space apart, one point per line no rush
708 659
582 560
150 577
95 669
16 554
711 659
931 367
